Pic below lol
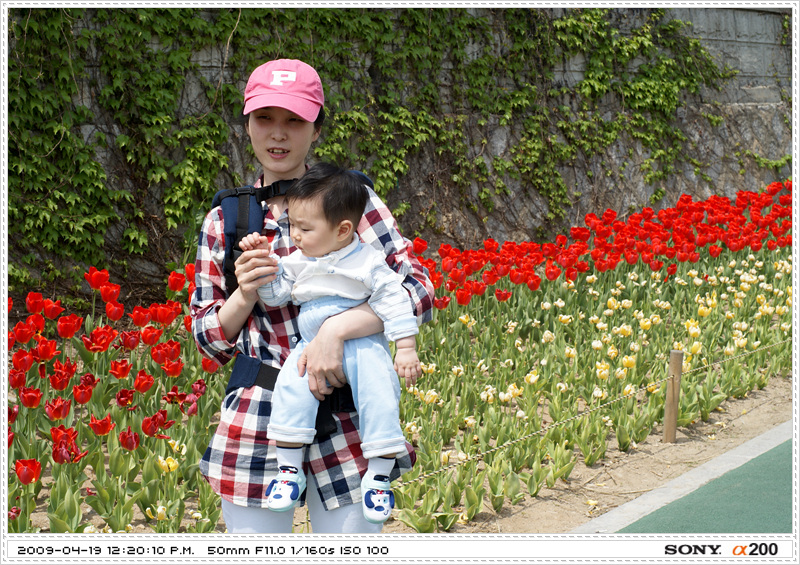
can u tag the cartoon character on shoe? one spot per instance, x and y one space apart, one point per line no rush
285 489
378 499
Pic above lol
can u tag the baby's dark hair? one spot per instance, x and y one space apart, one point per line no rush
343 193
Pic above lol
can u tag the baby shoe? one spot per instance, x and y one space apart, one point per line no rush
285 489
377 499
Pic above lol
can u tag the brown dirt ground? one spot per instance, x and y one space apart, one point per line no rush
613 481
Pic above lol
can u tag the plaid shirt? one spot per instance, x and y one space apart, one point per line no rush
240 461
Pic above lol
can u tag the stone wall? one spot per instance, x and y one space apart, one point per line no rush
756 106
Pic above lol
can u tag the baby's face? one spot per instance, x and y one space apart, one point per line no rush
311 232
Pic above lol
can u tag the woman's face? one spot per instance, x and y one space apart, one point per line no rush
281 141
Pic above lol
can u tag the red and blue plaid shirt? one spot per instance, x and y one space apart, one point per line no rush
240 461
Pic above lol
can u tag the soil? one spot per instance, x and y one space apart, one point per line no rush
590 491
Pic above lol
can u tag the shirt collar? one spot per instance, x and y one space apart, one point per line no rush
336 256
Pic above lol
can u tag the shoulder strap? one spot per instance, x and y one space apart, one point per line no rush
242 214
365 178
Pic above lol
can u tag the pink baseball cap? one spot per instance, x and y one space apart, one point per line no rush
285 83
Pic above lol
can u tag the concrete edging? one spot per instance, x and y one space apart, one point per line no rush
622 516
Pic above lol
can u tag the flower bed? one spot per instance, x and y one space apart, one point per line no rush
538 356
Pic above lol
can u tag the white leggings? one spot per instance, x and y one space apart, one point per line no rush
343 520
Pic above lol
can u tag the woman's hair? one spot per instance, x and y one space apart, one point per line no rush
342 193
317 123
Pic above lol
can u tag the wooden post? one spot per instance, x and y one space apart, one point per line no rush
673 395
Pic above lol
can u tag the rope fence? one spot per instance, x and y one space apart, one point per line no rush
674 374
481 455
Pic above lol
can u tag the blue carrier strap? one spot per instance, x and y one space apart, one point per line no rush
248 371
243 205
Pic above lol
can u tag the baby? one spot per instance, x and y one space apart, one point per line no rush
330 272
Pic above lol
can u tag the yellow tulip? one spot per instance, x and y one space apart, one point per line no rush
532 377
629 361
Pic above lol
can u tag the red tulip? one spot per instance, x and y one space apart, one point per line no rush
442 302
463 296
192 410
82 393
59 380
120 369
151 335
114 311
143 382
30 397
95 278
124 397
16 378
579 234
89 380
130 340
490 245
140 316
34 302
101 427
66 366
174 397
502 295
150 426
57 409
161 415
534 281
22 360
518 276
189 269
176 281
23 332
100 339
10 437
209 365
52 309
28 470
12 340
45 350
13 411
165 314
672 269
65 449
10 303
551 272
199 387
67 326
419 246
172 368
129 440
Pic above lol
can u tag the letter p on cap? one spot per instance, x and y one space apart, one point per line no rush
278 77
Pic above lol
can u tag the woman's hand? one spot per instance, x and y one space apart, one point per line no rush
322 357
322 360
253 268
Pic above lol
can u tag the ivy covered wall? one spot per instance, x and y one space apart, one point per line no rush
472 122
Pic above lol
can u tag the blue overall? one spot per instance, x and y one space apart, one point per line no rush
369 369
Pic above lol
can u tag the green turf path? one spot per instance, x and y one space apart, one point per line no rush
753 498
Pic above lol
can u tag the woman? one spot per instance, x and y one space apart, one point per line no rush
284 109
